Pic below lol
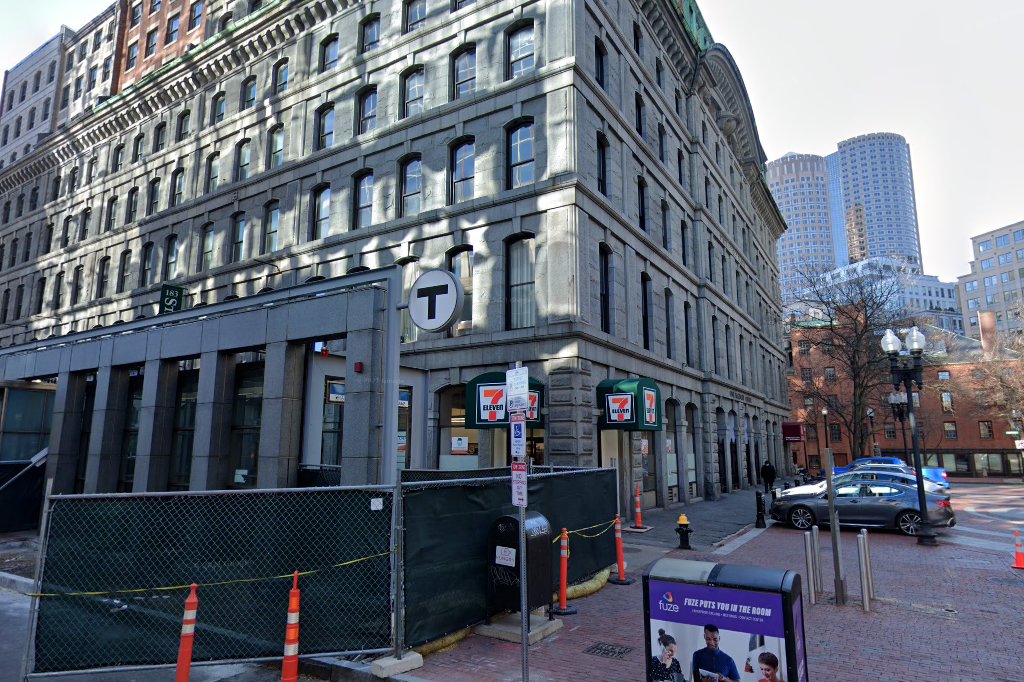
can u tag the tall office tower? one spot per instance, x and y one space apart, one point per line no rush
800 185
996 279
877 196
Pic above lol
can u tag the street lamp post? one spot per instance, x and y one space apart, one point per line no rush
898 404
906 374
871 426
824 415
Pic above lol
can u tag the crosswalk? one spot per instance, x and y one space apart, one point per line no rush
978 538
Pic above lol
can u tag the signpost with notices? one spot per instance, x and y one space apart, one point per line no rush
517 392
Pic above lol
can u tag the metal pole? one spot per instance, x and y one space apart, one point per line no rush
925 536
867 561
819 583
399 537
809 559
862 562
833 522
524 607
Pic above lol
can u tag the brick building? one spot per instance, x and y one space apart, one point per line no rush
960 427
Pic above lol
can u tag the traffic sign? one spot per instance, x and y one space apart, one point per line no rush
435 300
517 385
519 484
172 298
518 424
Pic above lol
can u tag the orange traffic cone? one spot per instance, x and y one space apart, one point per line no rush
188 635
638 515
563 609
1018 553
290 664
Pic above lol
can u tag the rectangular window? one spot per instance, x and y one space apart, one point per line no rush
136 14
206 258
835 432
173 24
947 401
151 43
890 431
805 375
949 430
944 375
195 15
183 433
245 424
805 347
985 429
521 305
830 375
808 402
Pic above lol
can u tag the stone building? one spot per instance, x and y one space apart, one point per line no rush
590 171
28 100
89 74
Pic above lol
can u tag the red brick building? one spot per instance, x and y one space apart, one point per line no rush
960 427
154 32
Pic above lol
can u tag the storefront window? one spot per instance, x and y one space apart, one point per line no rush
26 423
245 424
403 441
459 445
88 401
333 422
130 434
183 434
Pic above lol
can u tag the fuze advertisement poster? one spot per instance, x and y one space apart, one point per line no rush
700 632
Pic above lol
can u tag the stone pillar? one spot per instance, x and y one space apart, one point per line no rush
362 461
281 426
102 468
65 432
156 425
710 443
569 438
211 447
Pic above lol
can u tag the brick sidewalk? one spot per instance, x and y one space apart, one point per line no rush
944 613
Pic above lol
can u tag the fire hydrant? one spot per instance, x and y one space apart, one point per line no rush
683 528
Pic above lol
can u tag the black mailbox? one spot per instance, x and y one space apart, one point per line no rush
503 563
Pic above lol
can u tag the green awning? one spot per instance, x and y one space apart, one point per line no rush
629 404
486 402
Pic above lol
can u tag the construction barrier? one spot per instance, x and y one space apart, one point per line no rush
619 558
290 663
188 635
1018 553
563 608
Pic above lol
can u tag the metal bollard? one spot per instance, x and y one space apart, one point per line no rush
867 554
809 558
759 519
862 560
819 583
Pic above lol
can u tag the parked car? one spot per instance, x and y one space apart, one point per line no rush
865 474
936 474
881 504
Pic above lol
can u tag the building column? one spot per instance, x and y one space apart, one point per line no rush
211 448
362 460
281 422
710 443
569 434
65 432
156 424
102 468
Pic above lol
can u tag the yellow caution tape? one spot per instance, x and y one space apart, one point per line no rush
172 588
579 531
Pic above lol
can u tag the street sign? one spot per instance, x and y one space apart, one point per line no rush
172 298
519 484
517 386
435 300
518 424
1019 444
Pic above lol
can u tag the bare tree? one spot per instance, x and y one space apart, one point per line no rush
845 315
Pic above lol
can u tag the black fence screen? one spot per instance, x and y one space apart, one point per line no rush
21 499
446 541
233 545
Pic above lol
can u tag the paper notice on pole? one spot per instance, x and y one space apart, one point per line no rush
505 556
517 386
519 484
1019 444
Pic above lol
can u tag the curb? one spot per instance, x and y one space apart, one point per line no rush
16 583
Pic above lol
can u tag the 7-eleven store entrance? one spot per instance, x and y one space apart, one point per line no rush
628 424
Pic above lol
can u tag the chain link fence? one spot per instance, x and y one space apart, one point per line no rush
117 570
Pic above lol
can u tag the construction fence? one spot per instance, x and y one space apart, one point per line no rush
117 568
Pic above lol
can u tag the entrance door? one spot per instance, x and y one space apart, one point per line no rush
609 455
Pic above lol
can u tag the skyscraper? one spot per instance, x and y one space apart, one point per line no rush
877 198
800 185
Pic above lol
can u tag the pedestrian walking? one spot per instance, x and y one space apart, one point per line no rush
768 475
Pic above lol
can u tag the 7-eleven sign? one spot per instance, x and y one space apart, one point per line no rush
650 407
620 407
531 411
491 399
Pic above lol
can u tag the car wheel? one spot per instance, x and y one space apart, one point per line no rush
801 518
909 522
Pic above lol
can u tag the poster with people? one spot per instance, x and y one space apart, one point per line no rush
714 634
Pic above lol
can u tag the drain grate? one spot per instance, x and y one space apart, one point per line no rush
608 650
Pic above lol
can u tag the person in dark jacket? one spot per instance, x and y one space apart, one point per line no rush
768 475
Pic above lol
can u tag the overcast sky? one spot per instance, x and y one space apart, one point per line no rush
946 75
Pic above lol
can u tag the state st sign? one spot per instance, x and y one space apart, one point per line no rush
435 300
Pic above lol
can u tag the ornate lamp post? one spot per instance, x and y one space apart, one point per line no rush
898 404
906 374
871 426
824 415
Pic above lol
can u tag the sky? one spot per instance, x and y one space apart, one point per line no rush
945 75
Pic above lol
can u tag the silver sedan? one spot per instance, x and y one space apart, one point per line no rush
881 504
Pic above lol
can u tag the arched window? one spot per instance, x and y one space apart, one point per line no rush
27 251
77 281
367 111
520 306
83 224
90 170
602 164
638 103
281 77
321 214
275 151
369 33
271 226
218 107
111 221
464 72
159 137
65 234
5 216
670 324
411 185
239 237
325 127
136 148
212 172
55 188
519 170
605 286
73 180
153 200
117 158
247 96
132 208
5 304
641 203
206 246
520 51
184 125
225 20
37 299
146 273
14 253
177 186
58 292
123 271
362 200
171 257
47 244
329 53
103 278
463 171
19 297
19 206
412 92
600 62
243 159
